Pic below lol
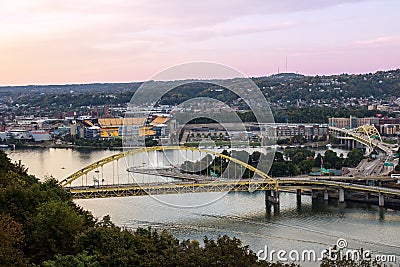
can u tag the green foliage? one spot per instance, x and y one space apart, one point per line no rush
305 166
317 114
298 155
110 245
228 252
112 142
52 230
397 168
11 236
149 142
301 161
331 159
80 260
354 157
338 259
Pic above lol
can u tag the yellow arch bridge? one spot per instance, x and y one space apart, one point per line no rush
367 135
192 183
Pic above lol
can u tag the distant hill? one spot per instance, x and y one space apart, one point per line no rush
286 76
282 90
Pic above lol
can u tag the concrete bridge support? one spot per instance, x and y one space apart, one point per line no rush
272 196
298 199
272 202
326 195
298 195
381 200
341 195
314 193
272 209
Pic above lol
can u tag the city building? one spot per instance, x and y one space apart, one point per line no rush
339 122
3 136
308 131
20 134
91 132
40 136
385 125
351 122
389 129
112 127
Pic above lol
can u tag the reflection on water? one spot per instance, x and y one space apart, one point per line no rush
58 162
311 224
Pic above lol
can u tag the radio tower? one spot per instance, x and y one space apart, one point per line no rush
286 64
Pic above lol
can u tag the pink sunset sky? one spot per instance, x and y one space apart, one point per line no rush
56 42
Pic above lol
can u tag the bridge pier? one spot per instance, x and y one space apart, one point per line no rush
298 200
314 193
381 200
326 195
272 196
272 202
269 206
341 195
298 194
381 213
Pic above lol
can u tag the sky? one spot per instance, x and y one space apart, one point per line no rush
74 41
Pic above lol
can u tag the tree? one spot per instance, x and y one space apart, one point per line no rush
397 168
278 157
81 259
150 141
305 166
292 169
227 252
332 158
52 230
337 259
354 157
11 236
299 154
111 246
327 165
338 165
279 169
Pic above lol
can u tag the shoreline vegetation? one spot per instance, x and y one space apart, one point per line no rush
95 144
42 226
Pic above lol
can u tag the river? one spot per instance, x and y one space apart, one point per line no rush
312 225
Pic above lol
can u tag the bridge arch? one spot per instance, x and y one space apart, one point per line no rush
370 131
100 163
367 135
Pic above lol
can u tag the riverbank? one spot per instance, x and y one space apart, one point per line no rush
52 145
226 145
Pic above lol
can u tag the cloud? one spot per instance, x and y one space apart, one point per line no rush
379 41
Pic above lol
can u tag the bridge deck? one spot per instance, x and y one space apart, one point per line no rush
220 186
